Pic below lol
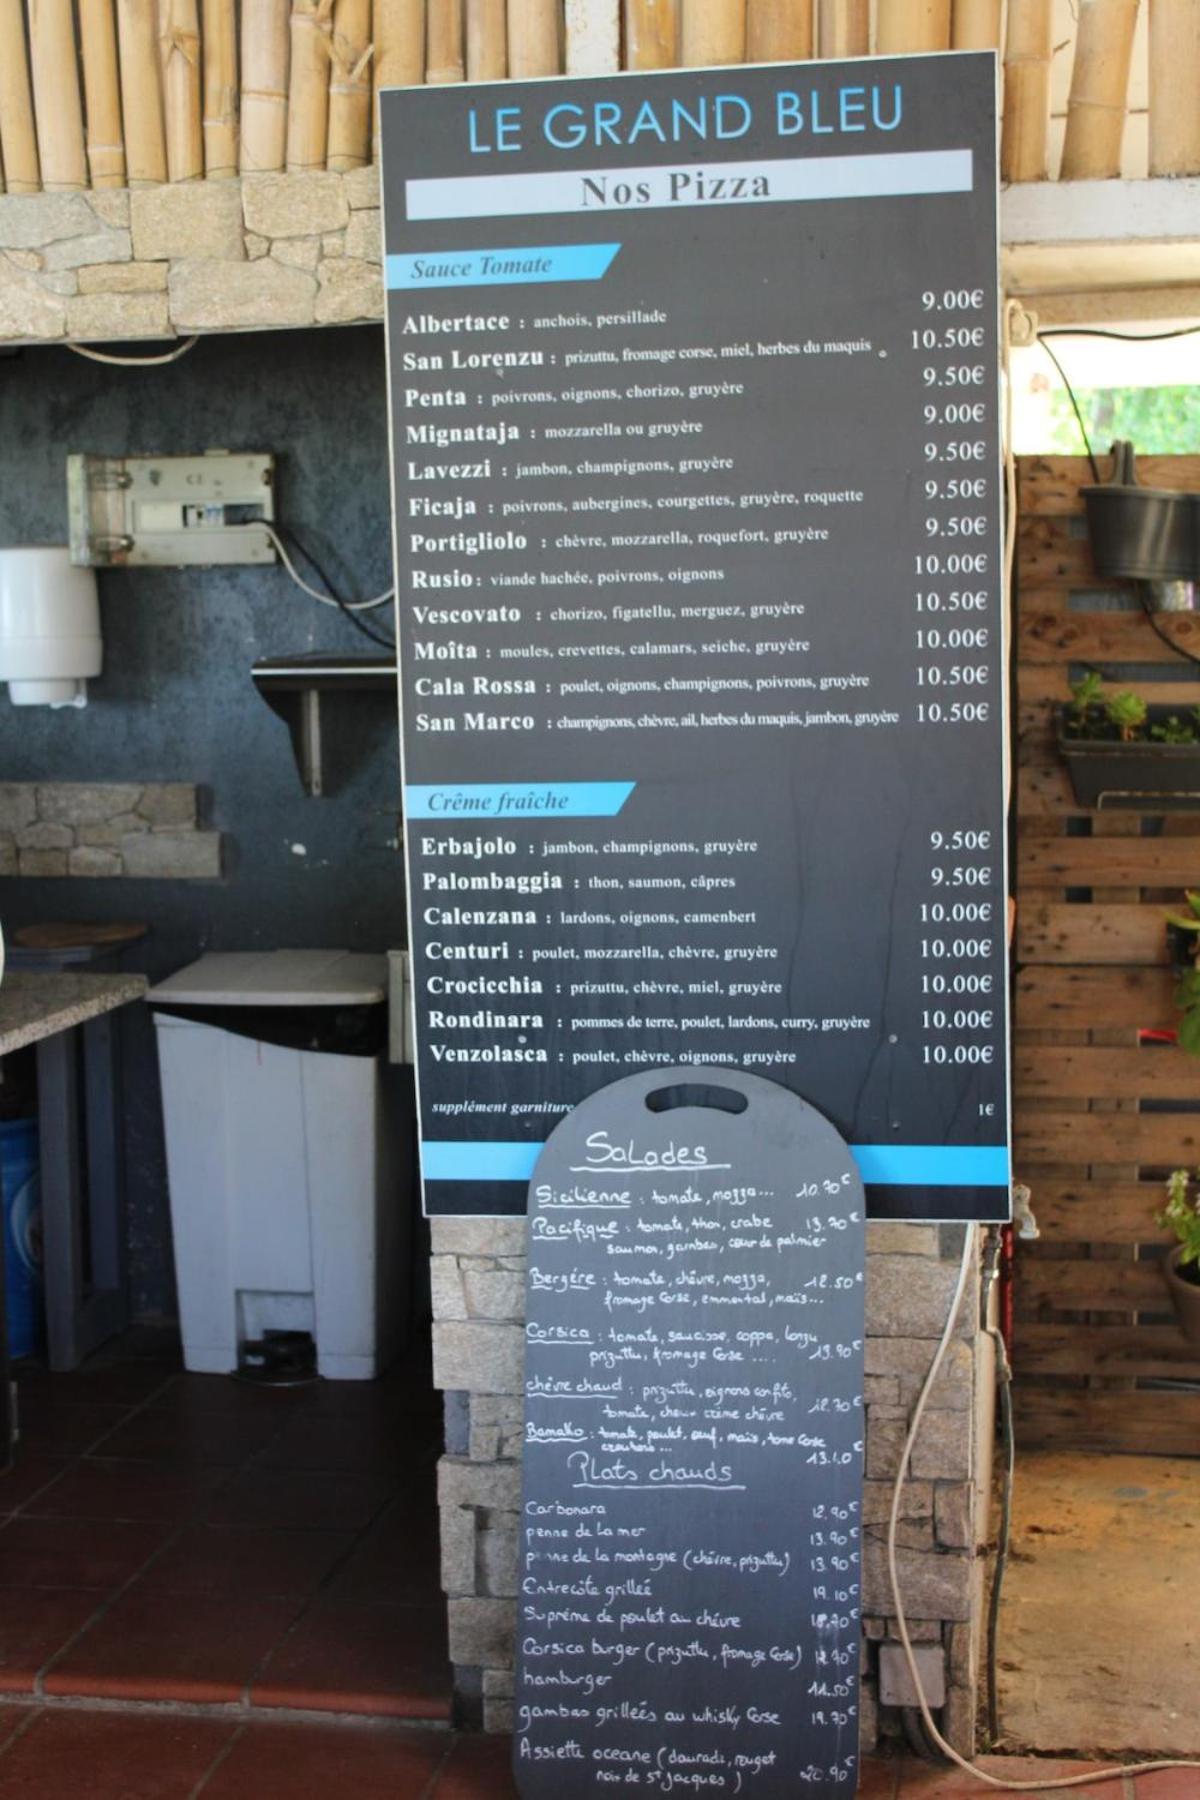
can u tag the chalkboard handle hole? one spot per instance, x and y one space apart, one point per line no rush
696 1093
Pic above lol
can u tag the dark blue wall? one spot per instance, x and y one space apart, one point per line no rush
176 702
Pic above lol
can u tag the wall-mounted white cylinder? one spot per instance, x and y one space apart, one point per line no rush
50 644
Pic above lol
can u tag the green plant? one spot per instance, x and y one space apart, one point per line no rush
1087 697
1174 731
1181 1215
1187 999
1127 713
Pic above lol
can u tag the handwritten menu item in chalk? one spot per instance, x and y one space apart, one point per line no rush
697 498
690 1569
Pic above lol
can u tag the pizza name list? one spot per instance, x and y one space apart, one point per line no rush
585 560
666 1356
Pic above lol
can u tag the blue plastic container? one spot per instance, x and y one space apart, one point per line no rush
20 1184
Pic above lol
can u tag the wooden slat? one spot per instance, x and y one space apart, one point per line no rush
1044 792
1074 1210
1087 1286
1064 998
1051 484
1145 1423
1044 636
1110 862
1049 552
1060 933
1145 1351
1154 1072
1161 1139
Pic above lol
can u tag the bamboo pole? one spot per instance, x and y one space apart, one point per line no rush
399 43
487 40
1027 54
533 38
350 86
909 27
712 31
141 93
179 59
102 93
779 31
1099 86
264 84
843 28
976 24
1174 87
308 85
444 43
651 34
58 107
18 135
220 90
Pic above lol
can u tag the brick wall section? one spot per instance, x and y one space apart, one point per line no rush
478 1302
140 829
161 262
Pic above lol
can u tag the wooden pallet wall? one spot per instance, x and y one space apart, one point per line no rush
1094 1331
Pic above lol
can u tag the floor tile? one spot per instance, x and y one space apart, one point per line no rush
359 1444
78 1553
478 1768
111 1756
12 1719
245 1559
166 1647
878 1777
28 1476
281 1498
316 1762
190 1440
398 1559
96 1384
35 1624
923 1781
103 1488
193 1394
389 1660
1168 1784
51 1428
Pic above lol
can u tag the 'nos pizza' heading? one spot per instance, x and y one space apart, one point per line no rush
701 118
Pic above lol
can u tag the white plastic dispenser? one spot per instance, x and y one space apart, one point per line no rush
50 644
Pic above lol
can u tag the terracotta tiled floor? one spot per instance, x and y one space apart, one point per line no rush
186 1553
171 1537
48 1752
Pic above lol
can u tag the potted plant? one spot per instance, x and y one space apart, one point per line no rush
1181 1266
1141 534
1183 939
1121 751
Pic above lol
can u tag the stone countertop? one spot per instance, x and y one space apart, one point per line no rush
35 1004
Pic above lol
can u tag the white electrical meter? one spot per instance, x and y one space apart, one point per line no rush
146 511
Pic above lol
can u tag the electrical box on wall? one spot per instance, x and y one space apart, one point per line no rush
147 511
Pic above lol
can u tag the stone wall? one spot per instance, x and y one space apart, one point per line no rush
106 828
478 1302
160 262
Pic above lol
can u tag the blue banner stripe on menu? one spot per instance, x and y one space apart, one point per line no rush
459 802
501 268
880 1165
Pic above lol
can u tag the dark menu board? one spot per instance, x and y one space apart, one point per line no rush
697 507
691 1516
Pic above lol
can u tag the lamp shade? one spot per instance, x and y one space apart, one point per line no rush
50 642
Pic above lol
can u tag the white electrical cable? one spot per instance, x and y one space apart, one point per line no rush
1024 1786
134 362
312 592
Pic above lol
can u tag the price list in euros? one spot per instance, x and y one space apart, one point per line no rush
698 506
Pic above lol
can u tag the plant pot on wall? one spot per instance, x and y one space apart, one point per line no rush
1142 534
1109 771
1185 1295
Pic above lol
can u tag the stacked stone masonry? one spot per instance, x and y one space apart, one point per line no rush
478 1302
164 262
144 830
